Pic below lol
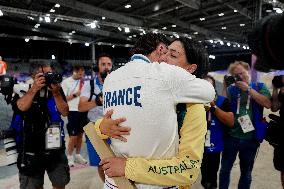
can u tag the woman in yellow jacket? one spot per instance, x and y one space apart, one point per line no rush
183 169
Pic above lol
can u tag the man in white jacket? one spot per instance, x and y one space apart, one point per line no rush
146 93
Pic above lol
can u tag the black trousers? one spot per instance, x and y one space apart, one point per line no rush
209 169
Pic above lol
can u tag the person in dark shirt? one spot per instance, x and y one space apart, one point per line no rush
219 117
43 148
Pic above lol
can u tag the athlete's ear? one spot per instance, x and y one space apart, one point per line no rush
191 68
159 49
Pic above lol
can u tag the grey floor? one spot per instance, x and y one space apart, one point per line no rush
86 177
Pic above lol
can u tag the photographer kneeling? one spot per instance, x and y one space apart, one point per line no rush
278 104
40 106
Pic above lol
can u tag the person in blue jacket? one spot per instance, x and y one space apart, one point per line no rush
219 117
248 99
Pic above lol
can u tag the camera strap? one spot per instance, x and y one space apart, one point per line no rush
245 121
52 131
75 86
239 102
248 103
209 118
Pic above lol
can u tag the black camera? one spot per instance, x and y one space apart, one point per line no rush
52 78
229 79
6 84
266 41
278 81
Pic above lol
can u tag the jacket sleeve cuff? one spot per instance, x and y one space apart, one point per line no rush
97 129
130 165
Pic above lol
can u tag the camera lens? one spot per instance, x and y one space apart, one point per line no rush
277 82
57 78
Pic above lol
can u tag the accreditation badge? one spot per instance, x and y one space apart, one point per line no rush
246 123
53 137
207 139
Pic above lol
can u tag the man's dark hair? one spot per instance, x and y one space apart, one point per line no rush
104 55
148 43
195 54
77 67
37 65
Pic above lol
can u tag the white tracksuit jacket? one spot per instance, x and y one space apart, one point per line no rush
147 94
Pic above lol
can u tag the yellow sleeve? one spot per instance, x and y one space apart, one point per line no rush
183 169
97 128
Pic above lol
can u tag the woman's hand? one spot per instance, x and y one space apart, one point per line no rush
114 166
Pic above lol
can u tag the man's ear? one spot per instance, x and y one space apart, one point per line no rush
160 49
191 68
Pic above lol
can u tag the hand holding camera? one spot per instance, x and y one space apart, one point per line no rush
39 82
231 79
242 85
49 79
237 80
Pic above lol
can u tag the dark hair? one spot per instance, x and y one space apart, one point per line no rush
104 55
148 43
212 78
37 65
195 54
77 67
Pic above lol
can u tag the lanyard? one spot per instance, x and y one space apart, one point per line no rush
139 57
209 119
99 84
239 103
74 88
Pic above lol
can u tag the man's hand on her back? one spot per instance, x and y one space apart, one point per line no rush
112 127
39 82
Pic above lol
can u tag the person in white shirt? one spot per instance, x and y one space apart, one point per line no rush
146 93
72 87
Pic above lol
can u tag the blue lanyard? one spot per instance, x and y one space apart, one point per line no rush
99 84
137 57
239 101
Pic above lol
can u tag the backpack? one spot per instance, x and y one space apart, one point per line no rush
92 89
92 93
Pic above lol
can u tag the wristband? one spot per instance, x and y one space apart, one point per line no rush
213 108
249 88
